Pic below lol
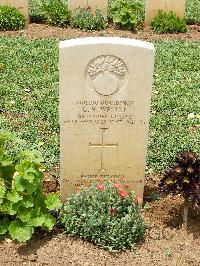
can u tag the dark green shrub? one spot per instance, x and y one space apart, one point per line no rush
23 205
11 18
168 22
128 14
107 215
85 20
56 12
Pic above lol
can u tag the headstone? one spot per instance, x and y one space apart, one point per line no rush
105 98
92 4
152 7
21 5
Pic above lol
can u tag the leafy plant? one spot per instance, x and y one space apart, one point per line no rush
193 11
56 12
184 178
36 14
168 22
85 20
127 13
106 214
11 18
23 205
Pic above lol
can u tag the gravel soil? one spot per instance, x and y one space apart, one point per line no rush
40 31
166 243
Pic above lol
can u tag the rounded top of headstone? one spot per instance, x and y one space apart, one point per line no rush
106 40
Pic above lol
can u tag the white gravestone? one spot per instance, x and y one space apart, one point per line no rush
152 7
105 98
21 5
92 4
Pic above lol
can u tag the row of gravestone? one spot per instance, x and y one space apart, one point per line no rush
152 6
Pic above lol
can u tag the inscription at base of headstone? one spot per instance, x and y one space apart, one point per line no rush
21 5
152 7
105 98
93 5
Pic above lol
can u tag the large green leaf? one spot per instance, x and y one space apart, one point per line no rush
2 190
49 222
18 183
14 196
5 160
20 231
7 172
24 214
38 219
10 207
28 201
52 202
4 224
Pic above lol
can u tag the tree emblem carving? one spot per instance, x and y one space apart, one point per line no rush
106 73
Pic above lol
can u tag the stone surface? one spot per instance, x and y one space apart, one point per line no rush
93 4
105 98
21 5
152 7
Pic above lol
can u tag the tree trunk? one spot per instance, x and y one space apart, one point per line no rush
185 213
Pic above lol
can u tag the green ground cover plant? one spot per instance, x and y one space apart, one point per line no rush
107 214
168 22
193 11
23 204
85 20
11 18
29 98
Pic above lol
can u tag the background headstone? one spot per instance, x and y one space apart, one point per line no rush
93 4
152 7
105 98
21 5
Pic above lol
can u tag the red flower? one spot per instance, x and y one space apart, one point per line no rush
126 186
122 193
113 210
77 190
138 201
101 187
117 185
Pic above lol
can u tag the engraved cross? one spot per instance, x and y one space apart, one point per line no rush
103 145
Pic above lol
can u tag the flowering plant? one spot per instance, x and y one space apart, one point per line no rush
107 214
184 178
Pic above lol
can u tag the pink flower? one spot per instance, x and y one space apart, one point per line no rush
117 185
101 187
122 193
113 210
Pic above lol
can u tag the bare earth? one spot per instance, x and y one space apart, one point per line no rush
166 243
40 31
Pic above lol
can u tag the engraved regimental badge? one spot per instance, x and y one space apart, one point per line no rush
107 74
